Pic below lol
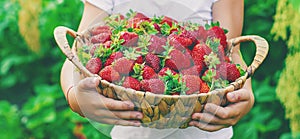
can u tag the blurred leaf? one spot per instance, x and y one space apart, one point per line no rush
245 131
296 4
10 125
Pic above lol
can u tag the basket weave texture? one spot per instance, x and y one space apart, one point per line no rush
163 111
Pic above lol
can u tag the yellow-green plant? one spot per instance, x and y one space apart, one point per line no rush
29 22
287 27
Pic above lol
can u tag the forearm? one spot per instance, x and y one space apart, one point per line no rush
69 79
69 76
230 14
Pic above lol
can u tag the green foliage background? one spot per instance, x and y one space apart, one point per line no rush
32 104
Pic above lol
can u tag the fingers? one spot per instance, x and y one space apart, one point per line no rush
115 105
89 83
212 119
118 122
128 115
239 95
221 112
207 127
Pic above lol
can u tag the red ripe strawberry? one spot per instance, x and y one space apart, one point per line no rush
148 73
107 44
198 53
180 41
123 65
132 83
177 60
175 41
221 53
114 56
130 38
168 20
100 29
135 21
229 71
156 44
109 74
156 86
101 38
139 60
204 88
219 33
119 17
191 71
153 61
200 34
163 71
94 65
157 27
192 82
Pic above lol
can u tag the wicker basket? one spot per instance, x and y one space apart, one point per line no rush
163 111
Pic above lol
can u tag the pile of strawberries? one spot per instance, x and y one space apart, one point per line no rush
159 55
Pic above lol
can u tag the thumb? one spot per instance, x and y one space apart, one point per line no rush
89 83
239 95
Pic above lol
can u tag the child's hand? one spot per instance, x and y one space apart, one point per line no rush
215 117
102 109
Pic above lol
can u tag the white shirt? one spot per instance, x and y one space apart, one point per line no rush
199 11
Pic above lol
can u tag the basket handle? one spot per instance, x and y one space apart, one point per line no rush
262 48
60 35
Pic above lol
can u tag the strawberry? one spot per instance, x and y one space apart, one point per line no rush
200 34
139 60
130 38
177 60
94 65
192 82
175 41
180 41
157 27
101 38
168 20
156 44
191 71
107 44
229 71
100 29
123 65
109 74
148 73
114 56
218 32
153 61
156 86
204 88
198 53
163 71
134 22
221 53
132 83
